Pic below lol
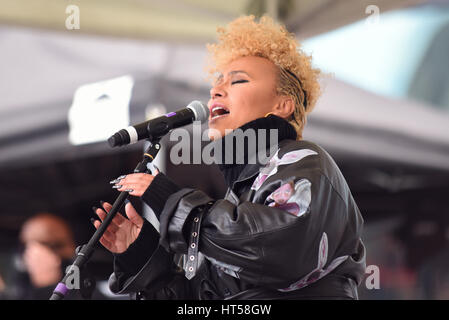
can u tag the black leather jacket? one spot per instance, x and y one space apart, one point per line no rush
287 230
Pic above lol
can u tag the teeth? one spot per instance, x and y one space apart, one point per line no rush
217 108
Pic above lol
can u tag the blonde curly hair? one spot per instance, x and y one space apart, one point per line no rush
296 78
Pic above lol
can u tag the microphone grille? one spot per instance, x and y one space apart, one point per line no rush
201 112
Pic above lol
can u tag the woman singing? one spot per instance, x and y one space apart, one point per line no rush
287 228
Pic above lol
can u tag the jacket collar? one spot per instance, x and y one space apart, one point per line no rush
247 162
251 170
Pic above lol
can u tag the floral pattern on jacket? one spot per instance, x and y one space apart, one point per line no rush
292 197
272 167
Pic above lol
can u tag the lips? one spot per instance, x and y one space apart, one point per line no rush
217 111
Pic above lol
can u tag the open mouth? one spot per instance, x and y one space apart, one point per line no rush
218 112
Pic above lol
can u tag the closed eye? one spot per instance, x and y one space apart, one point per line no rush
239 81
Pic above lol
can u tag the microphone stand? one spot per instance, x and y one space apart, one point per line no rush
85 252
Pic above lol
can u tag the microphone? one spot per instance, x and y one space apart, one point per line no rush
158 127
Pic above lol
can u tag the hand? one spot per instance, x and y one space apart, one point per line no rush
121 232
135 183
43 265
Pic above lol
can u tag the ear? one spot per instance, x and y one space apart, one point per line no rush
285 107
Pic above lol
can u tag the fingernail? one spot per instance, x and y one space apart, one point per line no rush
114 181
92 220
127 201
121 177
117 186
94 209
129 190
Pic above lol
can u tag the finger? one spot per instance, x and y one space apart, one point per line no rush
133 189
117 180
118 219
135 177
105 240
132 214
96 223
106 206
136 191
127 187
133 180
108 235
100 213
112 227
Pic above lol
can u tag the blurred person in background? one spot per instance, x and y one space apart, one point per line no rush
2 288
47 249
48 246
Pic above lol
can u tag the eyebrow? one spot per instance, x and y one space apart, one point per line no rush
232 73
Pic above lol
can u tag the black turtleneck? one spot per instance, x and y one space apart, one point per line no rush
231 171
162 187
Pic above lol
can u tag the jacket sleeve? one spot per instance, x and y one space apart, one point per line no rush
287 240
145 265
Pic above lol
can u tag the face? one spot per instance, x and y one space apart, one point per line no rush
244 91
50 233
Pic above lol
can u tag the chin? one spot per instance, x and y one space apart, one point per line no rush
219 130
215 133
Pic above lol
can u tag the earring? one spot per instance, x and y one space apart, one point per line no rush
268 114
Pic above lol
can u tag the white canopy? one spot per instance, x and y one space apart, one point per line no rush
42 69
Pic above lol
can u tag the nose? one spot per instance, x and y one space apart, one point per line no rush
217 91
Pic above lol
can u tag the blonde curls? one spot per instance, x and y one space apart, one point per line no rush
296 78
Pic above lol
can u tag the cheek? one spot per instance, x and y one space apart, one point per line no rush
253 102
243 100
